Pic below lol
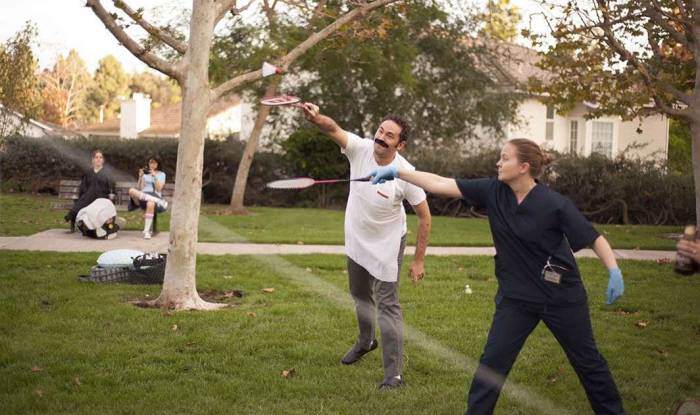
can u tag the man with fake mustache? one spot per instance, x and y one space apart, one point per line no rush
375 237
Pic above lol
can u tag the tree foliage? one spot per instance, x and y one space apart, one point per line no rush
64 89
109 83
679 148
501 19
415 60
19 88
631 58
163 91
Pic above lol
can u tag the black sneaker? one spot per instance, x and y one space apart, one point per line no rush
357 352
393 383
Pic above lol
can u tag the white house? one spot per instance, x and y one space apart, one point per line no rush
12 122
572 132
138 120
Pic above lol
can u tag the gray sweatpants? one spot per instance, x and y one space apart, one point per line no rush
372 297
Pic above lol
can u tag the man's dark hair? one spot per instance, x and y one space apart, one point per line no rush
405 126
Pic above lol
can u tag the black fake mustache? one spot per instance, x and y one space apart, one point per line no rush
381 142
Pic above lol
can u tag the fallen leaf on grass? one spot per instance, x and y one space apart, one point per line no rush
77 381
268 290
300 242
555 377
309 270
251 314
39 392
622 312
174 327
190 344
662 352
288 373
228 277
36 369
642 323
233 293
663 261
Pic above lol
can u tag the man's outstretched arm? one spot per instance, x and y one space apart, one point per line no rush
326 124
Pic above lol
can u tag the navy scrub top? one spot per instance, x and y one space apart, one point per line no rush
546 225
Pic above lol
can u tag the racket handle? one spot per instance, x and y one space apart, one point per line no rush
363 179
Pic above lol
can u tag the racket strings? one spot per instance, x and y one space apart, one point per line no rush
299 183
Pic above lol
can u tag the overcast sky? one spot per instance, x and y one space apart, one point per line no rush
68 24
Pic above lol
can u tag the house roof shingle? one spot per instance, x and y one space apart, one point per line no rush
165 120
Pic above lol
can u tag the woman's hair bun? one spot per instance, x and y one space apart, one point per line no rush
547 158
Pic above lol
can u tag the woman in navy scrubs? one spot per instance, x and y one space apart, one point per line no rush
534 231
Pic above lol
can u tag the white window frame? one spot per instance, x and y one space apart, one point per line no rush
578 135
549 121
615 133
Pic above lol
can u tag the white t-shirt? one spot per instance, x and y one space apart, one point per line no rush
96 214
375 220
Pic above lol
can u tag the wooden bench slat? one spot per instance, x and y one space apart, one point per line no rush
70 189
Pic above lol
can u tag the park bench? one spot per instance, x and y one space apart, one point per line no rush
68 191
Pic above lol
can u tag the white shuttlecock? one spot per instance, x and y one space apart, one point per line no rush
467 289
270 69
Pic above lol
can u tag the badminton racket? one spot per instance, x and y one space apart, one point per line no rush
280 100
304 182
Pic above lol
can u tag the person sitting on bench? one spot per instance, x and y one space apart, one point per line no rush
96 183
148 196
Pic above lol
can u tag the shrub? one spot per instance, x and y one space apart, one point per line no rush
607 191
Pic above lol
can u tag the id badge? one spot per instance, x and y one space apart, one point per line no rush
552 276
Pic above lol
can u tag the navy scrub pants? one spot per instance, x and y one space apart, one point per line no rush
512 323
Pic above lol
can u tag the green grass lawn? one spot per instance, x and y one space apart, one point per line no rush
82 348
22 214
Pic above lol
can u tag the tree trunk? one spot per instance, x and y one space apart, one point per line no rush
695 145
238 195
179 287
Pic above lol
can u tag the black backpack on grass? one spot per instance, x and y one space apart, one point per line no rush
146 269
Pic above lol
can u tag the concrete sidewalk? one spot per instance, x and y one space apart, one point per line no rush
58 240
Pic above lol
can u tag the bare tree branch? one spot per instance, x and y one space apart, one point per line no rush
319 7
159 33
146 56
225 6
310 42
696 31
675 112
652 81
230 6
656 15
681 7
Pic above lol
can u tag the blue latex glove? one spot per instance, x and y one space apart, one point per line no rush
616 287
383 174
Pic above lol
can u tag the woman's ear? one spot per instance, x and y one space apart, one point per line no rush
524 168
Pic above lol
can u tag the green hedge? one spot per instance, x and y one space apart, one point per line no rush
38 164
622 190
608 191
